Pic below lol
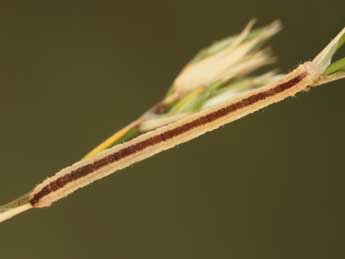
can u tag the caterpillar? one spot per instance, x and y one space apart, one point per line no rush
85 172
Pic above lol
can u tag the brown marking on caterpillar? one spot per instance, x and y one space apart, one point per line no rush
169 134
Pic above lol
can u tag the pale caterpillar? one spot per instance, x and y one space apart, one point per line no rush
85 172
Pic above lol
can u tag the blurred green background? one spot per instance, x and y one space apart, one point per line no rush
268 186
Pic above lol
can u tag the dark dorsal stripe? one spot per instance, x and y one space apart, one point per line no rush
169 134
